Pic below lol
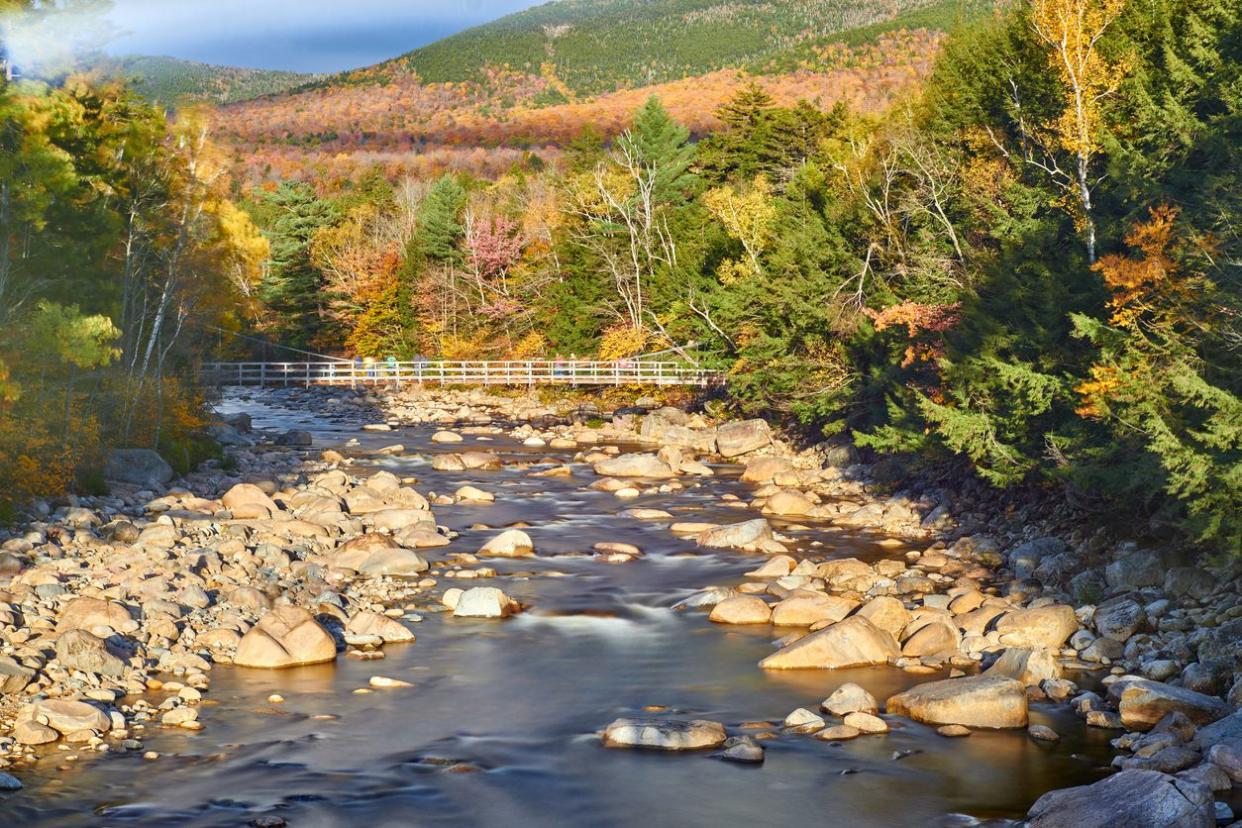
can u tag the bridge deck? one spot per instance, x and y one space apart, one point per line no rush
445 372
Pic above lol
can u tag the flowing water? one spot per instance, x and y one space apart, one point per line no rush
500 726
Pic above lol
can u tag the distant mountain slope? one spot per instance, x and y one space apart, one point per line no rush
588 47
171 80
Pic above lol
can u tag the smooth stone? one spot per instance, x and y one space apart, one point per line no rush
286 636
974 701
850 698
744 609
694 734
853 642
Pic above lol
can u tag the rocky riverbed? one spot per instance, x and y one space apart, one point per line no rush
470 607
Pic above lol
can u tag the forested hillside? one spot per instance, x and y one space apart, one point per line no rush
589 47
171 81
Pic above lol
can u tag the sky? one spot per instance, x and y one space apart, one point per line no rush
300 35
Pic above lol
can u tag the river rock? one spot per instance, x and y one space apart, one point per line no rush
744 609
483 602
695 734
1227 756
974 701
91 613
14 677
66 717
246 501
1044 627
805 610
34 733
849 698
1137 569
367 623
634 465
766 469
80 650
738 438
139 467
1131 798
1119 619
393 562
934 638
748 536
744 750
789 503
285 637
1031 667
1024 558
887 613
853 642
1144 703
512 543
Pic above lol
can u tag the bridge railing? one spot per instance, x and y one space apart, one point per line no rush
448 372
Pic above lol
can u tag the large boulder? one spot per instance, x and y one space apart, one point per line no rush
973 701
66 716
1144 703
695 734
854 642
805 610
80 650
138 467
634 465
1131 798
285 637
247 501
95 614
1043 627
735 439
748 536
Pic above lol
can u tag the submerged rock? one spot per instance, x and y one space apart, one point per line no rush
694 734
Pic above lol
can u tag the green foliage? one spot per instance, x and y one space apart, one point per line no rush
440 227
596 46
170 81
293 287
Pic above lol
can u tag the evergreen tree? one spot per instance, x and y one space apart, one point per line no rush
440 228
657 141
293 288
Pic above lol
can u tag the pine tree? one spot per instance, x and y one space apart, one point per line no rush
659 142
293 288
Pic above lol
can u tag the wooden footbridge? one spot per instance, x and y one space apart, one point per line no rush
445 372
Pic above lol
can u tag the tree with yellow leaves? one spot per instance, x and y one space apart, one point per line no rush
1072 31
750 218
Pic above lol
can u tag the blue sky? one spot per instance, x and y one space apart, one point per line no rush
302 35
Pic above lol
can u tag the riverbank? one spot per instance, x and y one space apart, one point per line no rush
119 609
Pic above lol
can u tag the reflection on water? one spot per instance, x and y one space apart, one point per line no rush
499 726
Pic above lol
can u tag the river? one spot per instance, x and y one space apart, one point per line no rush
500 726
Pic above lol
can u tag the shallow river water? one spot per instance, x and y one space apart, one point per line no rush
500 726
